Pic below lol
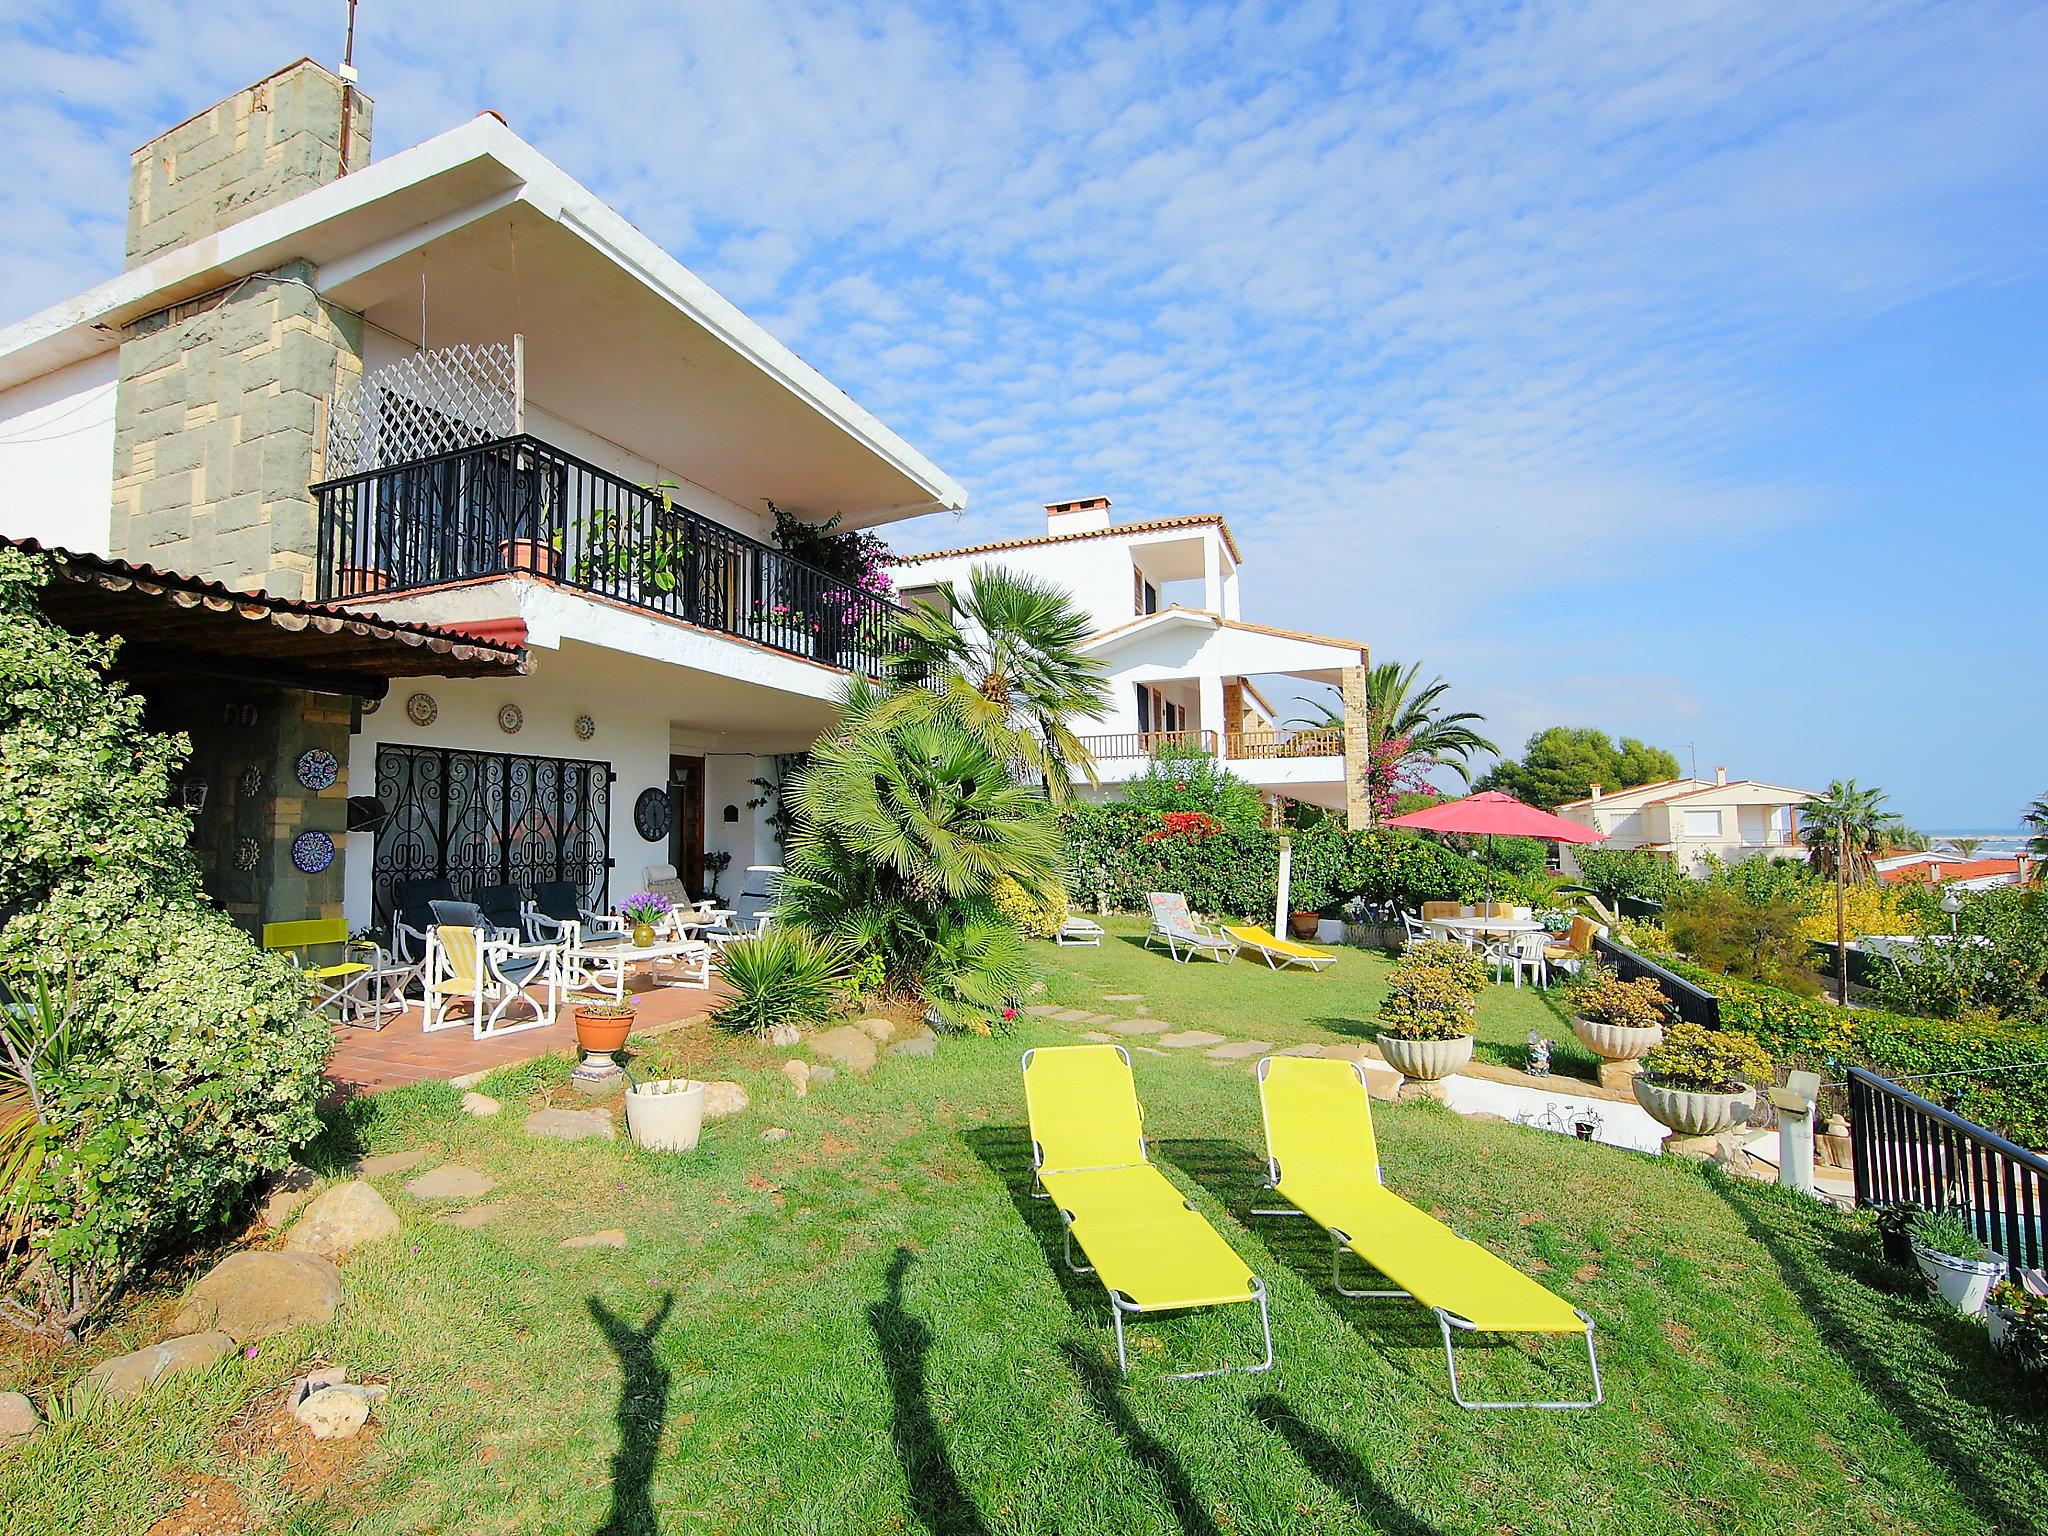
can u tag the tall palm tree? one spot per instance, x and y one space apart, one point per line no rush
1845 829
2035 820
1005 660
1397 709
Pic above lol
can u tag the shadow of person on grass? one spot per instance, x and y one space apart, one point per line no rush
643 1409
1106 1397
938 1499
1345 1475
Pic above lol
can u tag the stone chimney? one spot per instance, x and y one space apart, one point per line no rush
262 146
1595 793
1720 774
1090 515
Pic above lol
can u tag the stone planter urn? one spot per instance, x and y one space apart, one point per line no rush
1425 1063
1963 1283
1621 1049
1687 1113
665 1114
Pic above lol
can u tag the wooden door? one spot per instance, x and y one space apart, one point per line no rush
686 820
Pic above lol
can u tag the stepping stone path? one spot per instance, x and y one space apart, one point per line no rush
1138 1027
389 1162
1044 1010
1189 1038
473 1216
1240 1050
1097 1037
1123 997
1301 1050
610 1237
1075 1016
567 1125
454 1182
481 1105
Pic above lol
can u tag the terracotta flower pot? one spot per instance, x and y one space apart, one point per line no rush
600 1033
1302 924
1690 1113
1426 1060
536 556
362 580
1617 1042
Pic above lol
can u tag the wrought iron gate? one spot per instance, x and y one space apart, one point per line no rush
491 818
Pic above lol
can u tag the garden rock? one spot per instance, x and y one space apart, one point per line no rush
452 1181
342 1219
722 1099
1240 1050
468 1079
1043 1010
1074 1016
334 1413
482 1105
799 1075
17 1417
610 1237
1138 1027
389 1162
470 1217
1189 1039
775 1133
784 1036
845 1046
318 1380
568 1125
287 1193
916 1045
249 1296
879 1029
1097 1037
1123 997
127 1376
821 1075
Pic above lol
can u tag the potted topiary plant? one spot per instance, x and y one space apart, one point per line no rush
1953 1259
2019 1323
1698 1082
1432 1000
1619 1021
666 1114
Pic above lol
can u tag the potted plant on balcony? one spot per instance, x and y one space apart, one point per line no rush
642 911
1619 1021
1953 1259
1427 1018
1698 1082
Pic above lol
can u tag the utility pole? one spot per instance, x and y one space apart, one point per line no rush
1842 912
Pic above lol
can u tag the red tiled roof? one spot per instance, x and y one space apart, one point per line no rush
1938 871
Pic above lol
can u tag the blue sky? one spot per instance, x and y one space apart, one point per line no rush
1677 369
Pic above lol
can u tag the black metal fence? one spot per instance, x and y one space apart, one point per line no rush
1639 907
1911 1151
521 506
1864 968
1695 1004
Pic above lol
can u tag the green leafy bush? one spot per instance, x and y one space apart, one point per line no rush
1605 998
977 970
1433 992
1756 937
1999 967
1701 1060
1038 913
1189 779
194 1060
1612 873
787 975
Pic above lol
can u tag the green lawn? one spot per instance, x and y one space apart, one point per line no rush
866 1328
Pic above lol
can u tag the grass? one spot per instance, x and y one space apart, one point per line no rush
866 1328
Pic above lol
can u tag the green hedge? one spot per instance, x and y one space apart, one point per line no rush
1814 1033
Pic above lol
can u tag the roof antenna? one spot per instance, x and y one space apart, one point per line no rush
348 86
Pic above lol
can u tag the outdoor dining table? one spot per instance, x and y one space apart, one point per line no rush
600 964
1476 926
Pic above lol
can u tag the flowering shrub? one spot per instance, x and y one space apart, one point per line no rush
1869 908
1695 1059
1605 998
1193 825
1037 914
1433 992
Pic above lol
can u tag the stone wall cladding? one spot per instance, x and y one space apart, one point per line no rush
1357 746
218 431
260 147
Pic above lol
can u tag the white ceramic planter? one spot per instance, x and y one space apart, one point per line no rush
1426 1060
1330 930
1689 1113
666 1114
1617 1042
1962 1283
2001 1321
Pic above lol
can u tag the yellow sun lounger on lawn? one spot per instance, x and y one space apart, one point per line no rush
1322 1157
1276 951
1150 1248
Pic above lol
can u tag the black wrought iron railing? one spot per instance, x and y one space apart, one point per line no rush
1695 1004
519 506
1911 1151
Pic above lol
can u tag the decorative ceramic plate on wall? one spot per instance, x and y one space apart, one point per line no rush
369 706
421 709
251 780
312 852
585 727
247 852
318 768
510 718
650 814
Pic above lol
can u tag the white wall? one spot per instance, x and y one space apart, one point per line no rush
57 456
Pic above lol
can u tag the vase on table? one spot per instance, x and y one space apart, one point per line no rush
643 935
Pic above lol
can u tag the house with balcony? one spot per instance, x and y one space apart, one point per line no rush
449 392
1689 820
1185 669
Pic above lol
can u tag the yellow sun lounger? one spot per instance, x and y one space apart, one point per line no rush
1150 1248
1276 951
1322 1158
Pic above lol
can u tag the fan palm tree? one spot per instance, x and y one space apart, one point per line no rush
1845 829
1006 661
1400 707
2035 820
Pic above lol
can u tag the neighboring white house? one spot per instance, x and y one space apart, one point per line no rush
452 387
1691 819
1179 672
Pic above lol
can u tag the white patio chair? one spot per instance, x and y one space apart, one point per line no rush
490 975
1529 954
1180 931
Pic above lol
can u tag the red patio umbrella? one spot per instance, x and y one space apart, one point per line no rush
1492 812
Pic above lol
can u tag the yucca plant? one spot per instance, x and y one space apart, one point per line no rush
787 975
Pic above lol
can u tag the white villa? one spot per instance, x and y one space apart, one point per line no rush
450 392
1690 819
1182 671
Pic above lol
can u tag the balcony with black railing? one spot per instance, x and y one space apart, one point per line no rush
518 506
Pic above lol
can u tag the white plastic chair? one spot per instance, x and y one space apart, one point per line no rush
1528 954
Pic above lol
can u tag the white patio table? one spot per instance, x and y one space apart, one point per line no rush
600 964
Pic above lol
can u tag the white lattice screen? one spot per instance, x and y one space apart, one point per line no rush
426 404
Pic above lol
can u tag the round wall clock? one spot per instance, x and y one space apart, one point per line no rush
585 727
318 769
650 814
510 718
421 709
312 852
